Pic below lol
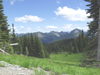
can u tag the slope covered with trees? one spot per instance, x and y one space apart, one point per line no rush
29 45
73 45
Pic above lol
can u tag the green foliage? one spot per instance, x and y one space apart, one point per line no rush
69 58
75 45
66 53
9 49
94 12
26 51
90 51
34 46
39 48
57 66
4 31
41 72
70 48
58 46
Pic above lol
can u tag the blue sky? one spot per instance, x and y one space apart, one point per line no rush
46 15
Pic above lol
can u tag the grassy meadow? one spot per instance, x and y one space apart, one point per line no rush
58 63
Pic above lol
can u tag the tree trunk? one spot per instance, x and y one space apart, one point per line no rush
98 51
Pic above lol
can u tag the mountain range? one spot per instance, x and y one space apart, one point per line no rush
55 36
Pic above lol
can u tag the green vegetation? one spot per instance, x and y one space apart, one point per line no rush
65 63
69 58
4 31
41 72
2 65
91 51
57 66
73 45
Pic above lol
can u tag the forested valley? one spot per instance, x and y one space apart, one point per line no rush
74 53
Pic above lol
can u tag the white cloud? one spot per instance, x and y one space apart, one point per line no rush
51 27
58 2
84 28
38 26
13 1
28 18
72 14
67 27
21 26
57 19
28 29
15 28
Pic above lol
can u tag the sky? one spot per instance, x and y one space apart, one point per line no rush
46 15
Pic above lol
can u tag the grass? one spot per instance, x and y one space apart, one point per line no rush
59 65
41 72
2 65
68 58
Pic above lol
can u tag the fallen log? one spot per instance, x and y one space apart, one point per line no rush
4 52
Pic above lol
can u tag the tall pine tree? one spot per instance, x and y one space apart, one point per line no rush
4 31
4 25
90 56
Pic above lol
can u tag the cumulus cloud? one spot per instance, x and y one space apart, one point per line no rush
13 1
38 26
84 28
28 18
56 19
58 2
51 27
28 29
67 27
72 14
21 26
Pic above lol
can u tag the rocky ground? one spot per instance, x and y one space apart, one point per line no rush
9 69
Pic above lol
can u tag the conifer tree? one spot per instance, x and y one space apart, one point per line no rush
21 44
4 31
41 49
19 49
1 40
32 44
39 52
98 51
36 46
29 46
4 25
70 48
91 55
94 14
27 52
76 50
80 43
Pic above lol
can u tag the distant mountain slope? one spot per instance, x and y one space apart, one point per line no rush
55 36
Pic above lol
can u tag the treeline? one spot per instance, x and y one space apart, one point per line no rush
79 43
73 45
30 46
58 46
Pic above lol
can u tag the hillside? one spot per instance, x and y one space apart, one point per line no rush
55 36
